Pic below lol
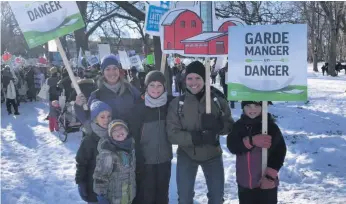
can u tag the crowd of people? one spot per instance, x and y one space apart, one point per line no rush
130 126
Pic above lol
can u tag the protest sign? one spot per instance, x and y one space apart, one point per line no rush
41 21
104 50
124 59
152 19
92 60
268 63
136 62
195 31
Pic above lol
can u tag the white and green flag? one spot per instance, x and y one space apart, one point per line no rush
267 63
41 21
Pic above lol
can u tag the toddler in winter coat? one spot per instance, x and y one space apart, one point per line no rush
100 115
54 113
246 141
114 175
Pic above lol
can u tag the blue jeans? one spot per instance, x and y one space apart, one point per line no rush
186 176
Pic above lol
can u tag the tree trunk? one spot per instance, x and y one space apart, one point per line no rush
332 50
313 37
80 35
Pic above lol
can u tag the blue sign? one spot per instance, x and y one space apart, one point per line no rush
153 19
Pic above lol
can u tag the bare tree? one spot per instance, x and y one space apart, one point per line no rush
335 12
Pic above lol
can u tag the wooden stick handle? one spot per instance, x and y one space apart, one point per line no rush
207 86
264 131
68 68
163 63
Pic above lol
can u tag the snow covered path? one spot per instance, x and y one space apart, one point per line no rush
37 168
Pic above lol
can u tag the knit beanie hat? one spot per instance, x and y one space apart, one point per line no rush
53 70
196 67
109 60
97 107
154 76
115 123
244 103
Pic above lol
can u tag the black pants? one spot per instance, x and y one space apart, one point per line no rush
154 184
257 196
213 79
12 102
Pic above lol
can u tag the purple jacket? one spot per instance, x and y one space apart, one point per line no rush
249 161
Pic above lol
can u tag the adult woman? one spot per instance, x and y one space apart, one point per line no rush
196 134
113 90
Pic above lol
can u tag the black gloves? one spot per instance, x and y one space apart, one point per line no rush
204 137
211 122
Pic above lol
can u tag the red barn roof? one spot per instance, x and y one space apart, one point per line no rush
204 37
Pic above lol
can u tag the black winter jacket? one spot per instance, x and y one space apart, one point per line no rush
249 161
86 163
151 138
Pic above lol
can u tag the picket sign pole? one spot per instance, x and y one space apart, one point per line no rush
68 68
163 63
207 86
264 131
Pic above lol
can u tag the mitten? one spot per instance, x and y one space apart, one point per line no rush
272 173
102 199
247 143
197 138
263 141
211 122
266 183
82 189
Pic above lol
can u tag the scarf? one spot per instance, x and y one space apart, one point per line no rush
115 88
155 102
124 145
98 130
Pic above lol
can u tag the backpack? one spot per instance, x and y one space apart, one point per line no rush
215 94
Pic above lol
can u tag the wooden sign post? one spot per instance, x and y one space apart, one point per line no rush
207 86
68 68
264 131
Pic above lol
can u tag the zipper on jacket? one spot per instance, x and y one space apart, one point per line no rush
249 160
249 169
158 156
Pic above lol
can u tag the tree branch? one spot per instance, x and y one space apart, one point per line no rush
131 9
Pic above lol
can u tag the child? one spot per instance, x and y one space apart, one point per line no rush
246 141
114 175
8 82
53 116
100 115
153 150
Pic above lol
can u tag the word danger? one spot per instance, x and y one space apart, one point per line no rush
266 70
267 43
43 10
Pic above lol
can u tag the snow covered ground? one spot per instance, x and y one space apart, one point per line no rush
37 168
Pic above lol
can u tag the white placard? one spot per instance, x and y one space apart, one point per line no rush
104 50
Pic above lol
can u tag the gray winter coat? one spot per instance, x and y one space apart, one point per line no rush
114 175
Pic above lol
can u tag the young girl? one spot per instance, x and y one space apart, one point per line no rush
246 141
54 113
114 175
101 115
153 150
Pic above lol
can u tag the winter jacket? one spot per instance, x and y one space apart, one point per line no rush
151 134
11 92
53 89
136 83
66 84
114 175
249 161
121 103
179 128
86 163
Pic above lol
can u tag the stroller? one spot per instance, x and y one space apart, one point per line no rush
67 121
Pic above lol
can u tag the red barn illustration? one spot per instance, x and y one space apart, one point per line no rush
187 33
179 25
